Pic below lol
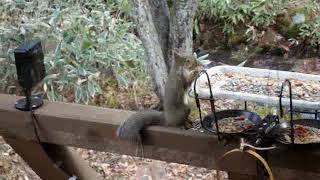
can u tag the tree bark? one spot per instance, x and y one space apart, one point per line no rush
150 39
159 32
181 32
161 18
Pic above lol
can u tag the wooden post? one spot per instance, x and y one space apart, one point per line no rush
55 162
71 162
37 159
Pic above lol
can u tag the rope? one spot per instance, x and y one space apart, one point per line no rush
259 148
253 153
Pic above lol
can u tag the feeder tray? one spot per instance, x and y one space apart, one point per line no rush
217 91
285 127
309 128
263 132
254 118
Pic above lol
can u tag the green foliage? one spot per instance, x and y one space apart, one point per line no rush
257 15
260 13
82 39
310 29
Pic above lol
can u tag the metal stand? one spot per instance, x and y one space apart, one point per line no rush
266 133
291 108
245 105
212 103
315 113
23 105
29 102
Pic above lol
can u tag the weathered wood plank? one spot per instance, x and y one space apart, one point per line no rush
52 161
38 159
94 128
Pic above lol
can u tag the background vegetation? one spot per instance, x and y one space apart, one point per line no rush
84 42
261 21
89 43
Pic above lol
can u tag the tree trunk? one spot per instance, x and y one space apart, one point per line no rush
161 18
150 39
160 32
181 34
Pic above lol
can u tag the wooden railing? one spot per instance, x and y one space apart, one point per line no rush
94 128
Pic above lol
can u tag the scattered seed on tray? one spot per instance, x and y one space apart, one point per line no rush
233 124
235 82
303 135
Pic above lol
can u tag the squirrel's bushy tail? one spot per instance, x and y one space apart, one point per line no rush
130 130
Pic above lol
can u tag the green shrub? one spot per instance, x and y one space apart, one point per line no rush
259 13
81 40
310 29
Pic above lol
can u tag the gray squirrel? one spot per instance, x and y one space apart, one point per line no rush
182 72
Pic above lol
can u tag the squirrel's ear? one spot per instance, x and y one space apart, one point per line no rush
178 57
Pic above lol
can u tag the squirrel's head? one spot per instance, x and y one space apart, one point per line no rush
187 61
190 64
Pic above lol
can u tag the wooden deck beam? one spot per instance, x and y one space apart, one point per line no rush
94 128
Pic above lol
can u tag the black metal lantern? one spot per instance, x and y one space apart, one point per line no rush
30 70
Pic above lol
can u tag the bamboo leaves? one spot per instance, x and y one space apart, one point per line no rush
80 38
